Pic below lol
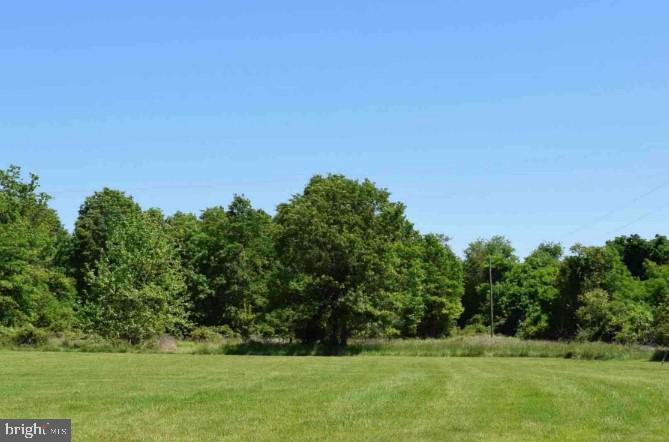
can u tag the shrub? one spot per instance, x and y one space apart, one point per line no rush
30 335
662 325
6 335
205 334
137 289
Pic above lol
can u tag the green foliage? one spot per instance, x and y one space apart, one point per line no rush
29 335
137 288
186 232
606 319
590 294
205 334
501 346
212 334
99 215
457 346
586 270
442 288
662 324
478 259
527 293
636 252
353 265
33 286
228 257
657 287
657 283
339 261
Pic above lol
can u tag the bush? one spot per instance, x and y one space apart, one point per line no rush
475 326
205 334
30 335
6 335
662 325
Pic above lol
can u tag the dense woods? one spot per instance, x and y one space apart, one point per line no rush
340 260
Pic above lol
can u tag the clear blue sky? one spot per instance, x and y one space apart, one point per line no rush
527 119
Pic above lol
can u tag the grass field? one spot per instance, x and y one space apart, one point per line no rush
127 397
462 345
499 346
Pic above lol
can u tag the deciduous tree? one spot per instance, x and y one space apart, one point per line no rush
33 286
98 217
137 289
334 241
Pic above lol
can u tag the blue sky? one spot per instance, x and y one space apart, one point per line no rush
535 120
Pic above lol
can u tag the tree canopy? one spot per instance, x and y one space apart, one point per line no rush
336 242
34 288
339 260
137 289
98 217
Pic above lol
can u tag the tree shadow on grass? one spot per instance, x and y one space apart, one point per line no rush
660 355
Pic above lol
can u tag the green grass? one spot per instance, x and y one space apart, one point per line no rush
464 345
173 397
485 346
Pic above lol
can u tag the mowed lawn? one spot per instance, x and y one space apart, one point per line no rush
127 397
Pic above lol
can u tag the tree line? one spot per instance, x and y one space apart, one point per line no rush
339 260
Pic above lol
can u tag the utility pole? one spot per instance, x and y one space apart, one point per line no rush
492 315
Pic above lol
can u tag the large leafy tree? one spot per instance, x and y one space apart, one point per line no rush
98 217
240 258
335 242
595 285
403 307
423 288
478 258
528 293
657 283
604 317
137 289
657 290
661 325
186 232
228 256
442 287
33 286
636 252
